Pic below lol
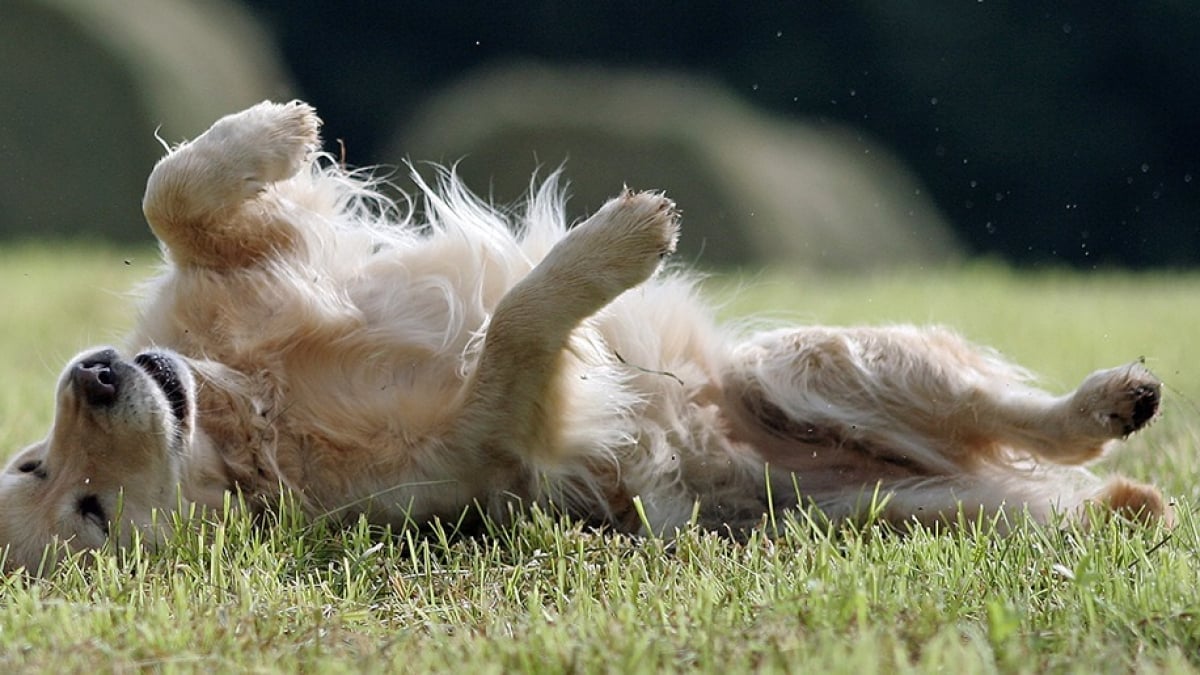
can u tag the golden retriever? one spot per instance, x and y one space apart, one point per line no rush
305 336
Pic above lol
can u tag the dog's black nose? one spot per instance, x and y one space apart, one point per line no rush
95 379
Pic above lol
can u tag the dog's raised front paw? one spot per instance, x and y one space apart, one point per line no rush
651 219
264 144
624 242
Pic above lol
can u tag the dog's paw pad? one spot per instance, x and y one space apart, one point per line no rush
1143 406
1122 400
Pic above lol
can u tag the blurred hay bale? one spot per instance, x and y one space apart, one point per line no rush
83 86
753 189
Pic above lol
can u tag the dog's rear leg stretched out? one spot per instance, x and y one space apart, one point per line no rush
937 420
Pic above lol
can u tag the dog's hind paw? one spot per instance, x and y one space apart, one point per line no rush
1119 401
1135 501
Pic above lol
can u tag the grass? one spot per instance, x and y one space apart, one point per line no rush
547 596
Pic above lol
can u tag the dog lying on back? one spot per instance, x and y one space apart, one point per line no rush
304 336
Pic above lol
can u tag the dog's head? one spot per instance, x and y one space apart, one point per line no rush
112 457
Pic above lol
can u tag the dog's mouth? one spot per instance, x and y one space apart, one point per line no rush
162 369
93 512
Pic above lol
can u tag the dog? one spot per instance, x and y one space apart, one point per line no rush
307 335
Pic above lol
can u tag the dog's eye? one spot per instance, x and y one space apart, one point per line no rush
33 466
92 511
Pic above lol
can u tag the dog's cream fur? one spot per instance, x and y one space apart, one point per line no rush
303 335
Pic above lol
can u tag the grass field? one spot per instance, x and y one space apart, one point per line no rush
546 596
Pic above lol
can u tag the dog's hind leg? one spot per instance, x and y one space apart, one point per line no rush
1071 429
843 408
204 200
900 386
513 397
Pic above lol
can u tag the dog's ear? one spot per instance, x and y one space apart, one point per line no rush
29 462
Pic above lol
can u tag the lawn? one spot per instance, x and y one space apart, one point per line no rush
548 596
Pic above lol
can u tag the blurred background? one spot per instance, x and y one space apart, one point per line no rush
849 135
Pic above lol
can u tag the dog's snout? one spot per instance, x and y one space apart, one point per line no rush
97 381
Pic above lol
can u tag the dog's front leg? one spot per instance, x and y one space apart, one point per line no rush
514 397
207 199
